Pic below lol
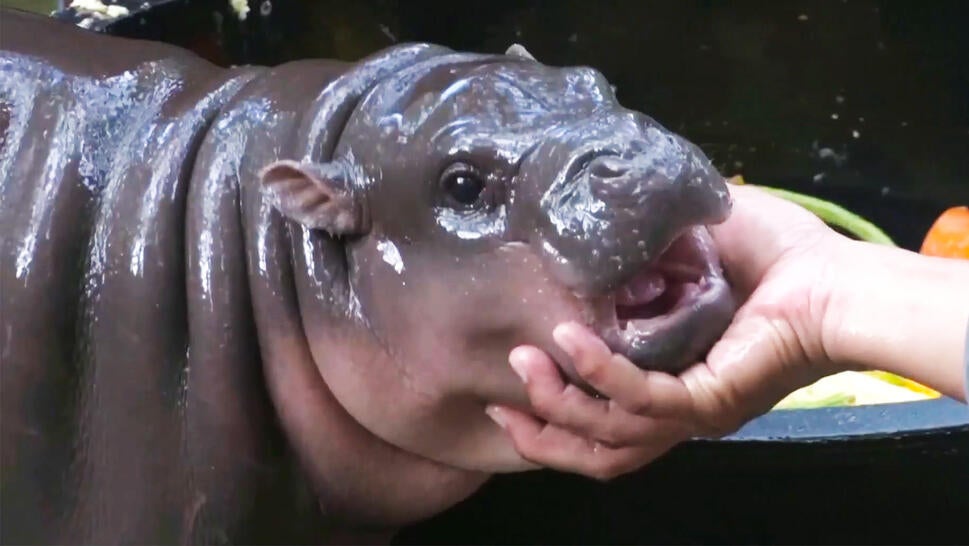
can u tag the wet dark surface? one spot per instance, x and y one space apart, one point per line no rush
865 102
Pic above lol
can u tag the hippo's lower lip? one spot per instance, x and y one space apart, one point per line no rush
669 314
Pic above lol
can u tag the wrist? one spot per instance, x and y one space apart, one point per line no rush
900 312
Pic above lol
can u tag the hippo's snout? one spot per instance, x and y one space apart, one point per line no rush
684 186
617 209
627 232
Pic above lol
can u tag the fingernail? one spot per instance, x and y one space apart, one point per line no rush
564 335
496 415
518 364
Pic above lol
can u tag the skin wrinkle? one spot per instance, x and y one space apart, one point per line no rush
819 304
383 352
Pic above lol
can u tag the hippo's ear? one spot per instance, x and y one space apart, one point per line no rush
316 195
518 50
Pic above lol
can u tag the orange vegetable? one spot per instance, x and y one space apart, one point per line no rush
949 235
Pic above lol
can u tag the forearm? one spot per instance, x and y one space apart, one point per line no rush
902 313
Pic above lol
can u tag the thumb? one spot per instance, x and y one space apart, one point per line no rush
755 364
759 230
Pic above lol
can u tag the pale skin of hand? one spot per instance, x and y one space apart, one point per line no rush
813 303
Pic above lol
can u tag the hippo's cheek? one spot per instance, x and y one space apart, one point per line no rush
441 338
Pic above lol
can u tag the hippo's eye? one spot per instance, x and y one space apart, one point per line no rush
462 185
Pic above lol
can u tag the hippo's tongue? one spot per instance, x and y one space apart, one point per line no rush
674 279
642 289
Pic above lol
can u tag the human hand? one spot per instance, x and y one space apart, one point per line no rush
782 262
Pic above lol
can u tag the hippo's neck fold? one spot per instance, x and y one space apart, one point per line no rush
132 397
158 384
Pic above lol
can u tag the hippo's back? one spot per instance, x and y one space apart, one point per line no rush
97 140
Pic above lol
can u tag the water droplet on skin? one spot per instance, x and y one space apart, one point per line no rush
391 255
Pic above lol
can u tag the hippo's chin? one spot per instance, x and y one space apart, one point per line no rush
669 314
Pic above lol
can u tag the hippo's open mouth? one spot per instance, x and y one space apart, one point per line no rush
669 313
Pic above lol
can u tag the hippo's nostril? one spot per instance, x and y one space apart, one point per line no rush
634 148
608 167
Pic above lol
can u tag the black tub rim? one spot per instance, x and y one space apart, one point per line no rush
900 420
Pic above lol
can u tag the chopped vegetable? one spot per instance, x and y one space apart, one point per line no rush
241 7
949 235
850 389
99 9
902 382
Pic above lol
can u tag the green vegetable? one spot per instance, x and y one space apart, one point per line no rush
834 215
830 213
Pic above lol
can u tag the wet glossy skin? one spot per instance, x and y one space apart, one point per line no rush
191 327
511 263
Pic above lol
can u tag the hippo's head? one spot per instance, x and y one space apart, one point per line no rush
479 202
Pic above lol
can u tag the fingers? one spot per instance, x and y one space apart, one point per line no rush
644 413
558 448
551 398
637 391
569 407
573 432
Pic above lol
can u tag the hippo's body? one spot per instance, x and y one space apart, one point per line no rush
221 308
